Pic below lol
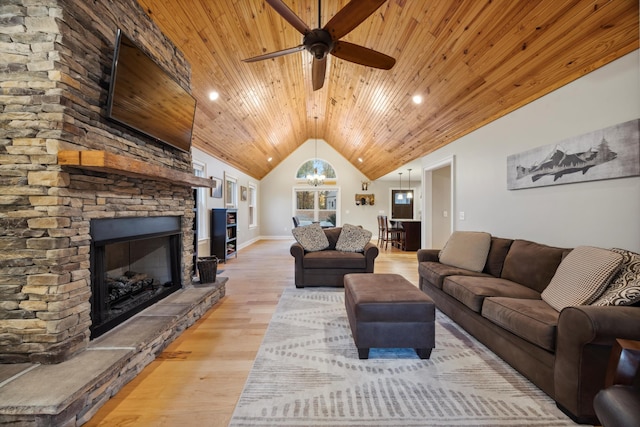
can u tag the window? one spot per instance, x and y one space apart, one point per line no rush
401 205
316 205
253 205
319 165
230 191
201 202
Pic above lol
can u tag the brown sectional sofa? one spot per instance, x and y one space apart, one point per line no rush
328 267
564 353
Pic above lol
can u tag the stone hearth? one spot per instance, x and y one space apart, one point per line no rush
71 392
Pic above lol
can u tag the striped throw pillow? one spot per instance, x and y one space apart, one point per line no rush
581 277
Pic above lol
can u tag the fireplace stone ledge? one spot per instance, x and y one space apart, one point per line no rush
70 393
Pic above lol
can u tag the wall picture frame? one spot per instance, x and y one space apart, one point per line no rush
230 192
607 153
216 190
243 193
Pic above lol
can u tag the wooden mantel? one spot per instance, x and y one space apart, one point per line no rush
103 161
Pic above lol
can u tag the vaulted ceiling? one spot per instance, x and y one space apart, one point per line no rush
472 61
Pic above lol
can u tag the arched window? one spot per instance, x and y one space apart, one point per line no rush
310 166
316 204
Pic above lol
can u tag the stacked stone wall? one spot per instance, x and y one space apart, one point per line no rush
55 65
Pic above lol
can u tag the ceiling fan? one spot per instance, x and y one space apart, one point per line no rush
326 40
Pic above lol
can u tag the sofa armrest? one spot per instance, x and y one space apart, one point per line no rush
371 251
588 324
297 251
428 255
584 340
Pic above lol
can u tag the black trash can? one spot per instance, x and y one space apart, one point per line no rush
207 269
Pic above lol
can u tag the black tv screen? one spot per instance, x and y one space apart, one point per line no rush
143 97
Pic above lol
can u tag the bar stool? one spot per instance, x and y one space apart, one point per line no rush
395 235
381 230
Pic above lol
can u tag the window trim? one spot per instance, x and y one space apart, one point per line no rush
335 188
253 204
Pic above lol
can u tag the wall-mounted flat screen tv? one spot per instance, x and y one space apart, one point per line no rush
143 97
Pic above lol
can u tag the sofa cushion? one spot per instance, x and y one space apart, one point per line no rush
471 291
435 272
531 319
311 237
497 253
624 288
581 277
334 259
466 249
353 238
531 264
333 234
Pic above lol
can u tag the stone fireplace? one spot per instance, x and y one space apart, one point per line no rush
52 111
135 262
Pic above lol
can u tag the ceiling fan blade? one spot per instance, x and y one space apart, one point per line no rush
293 19
275 54
362 55
318 71
350 16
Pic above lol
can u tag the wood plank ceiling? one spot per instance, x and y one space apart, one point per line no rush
472 61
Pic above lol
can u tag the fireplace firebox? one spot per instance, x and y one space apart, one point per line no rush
135 262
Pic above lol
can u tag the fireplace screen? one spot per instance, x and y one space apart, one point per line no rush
135 263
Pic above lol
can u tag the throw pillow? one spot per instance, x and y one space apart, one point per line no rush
311 237
581 277
624 288
353 238
466 249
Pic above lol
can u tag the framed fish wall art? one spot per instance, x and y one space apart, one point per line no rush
612 152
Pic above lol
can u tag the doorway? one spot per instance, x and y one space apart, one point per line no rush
401 205
439 201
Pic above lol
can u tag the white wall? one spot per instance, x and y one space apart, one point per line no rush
601 213
217 168
276 195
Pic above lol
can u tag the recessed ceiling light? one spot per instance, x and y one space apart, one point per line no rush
417 99
360 159
269 159
213 95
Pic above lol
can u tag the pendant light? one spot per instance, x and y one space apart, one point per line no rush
410 192
315 179
400 196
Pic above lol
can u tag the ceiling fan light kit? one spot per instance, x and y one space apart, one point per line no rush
323 41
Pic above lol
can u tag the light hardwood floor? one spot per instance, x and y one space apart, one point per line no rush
198 379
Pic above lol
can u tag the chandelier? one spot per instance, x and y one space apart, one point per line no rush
400 196
315 179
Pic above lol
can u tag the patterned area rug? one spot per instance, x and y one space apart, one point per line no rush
307 373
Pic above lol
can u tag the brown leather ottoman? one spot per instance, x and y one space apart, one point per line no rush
387 311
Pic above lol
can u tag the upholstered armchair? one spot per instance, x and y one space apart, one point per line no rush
328 266
618 405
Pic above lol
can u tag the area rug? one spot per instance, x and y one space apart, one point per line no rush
307 373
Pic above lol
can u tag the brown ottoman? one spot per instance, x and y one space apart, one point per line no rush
387 311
